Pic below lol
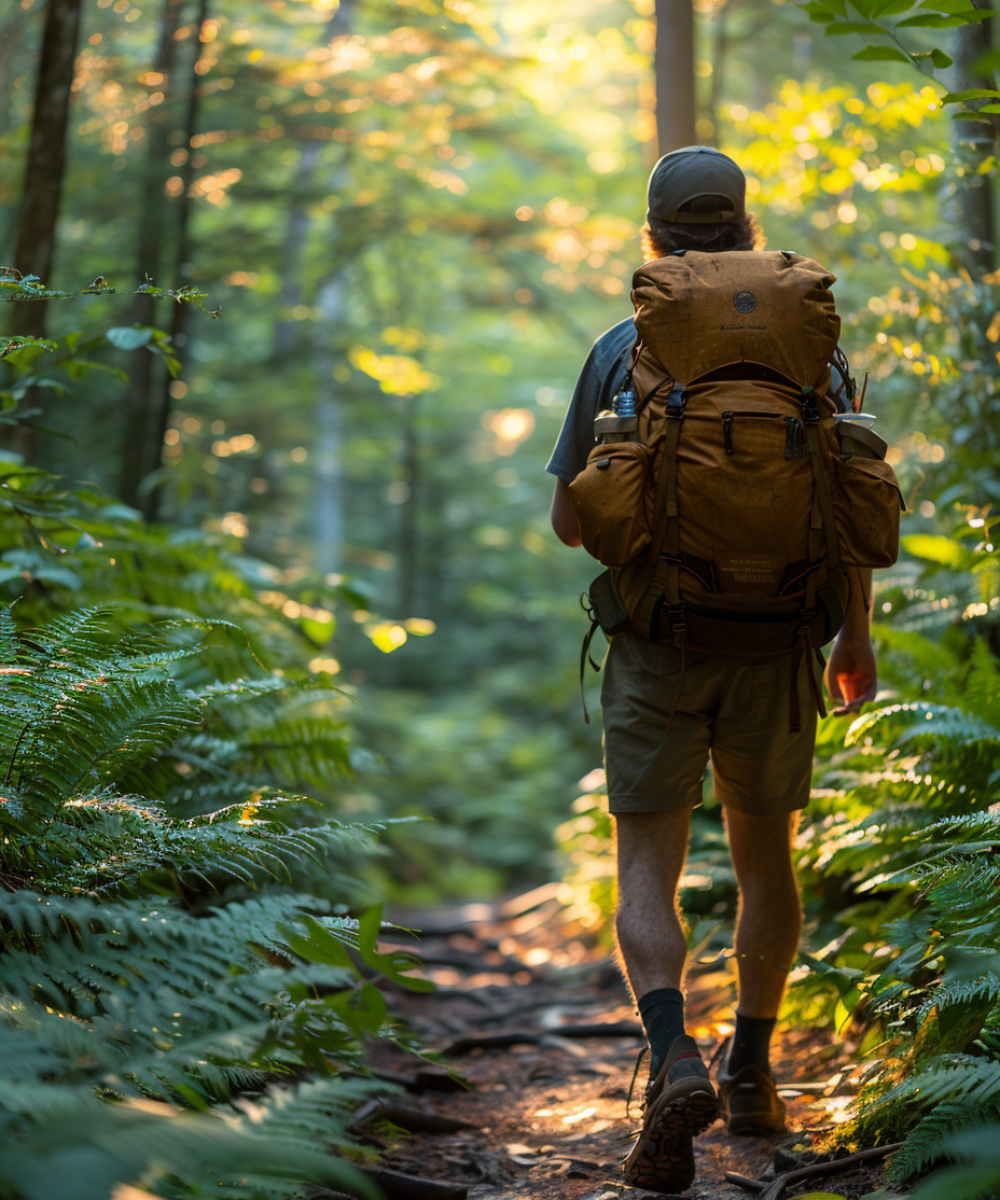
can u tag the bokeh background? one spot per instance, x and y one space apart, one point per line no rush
415 217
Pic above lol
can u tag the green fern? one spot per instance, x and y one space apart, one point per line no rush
152 956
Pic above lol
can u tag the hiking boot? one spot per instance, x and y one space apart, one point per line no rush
679 1103
749 1102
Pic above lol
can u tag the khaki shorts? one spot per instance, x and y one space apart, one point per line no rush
734 709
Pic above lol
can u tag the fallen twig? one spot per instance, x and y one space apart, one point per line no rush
772 1189
745 1182
420 1120
424 1081
411 1187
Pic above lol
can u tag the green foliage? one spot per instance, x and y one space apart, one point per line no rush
888 19
160 971
902 859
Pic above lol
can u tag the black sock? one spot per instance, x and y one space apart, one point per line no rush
662 1012
750 1043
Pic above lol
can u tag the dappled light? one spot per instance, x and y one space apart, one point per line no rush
309 863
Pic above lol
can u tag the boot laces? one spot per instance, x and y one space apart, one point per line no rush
631 1087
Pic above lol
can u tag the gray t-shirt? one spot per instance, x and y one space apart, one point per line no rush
600 380
602 376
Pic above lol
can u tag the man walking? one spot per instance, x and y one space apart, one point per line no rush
664 714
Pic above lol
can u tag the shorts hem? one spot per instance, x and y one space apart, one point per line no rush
640 802
762 808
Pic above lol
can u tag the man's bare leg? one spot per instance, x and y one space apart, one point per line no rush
652 848
770 914
680 1100
767 928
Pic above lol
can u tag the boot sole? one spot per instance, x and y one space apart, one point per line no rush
662 1160
763 1126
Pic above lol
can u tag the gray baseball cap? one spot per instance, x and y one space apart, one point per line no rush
694 171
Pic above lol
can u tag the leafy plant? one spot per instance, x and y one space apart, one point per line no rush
166 979
888 19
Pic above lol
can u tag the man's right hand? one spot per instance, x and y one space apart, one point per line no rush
851 674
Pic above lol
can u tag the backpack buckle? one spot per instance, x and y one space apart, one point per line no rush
676 400
677 622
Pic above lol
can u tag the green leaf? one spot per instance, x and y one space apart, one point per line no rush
990 108
318 632
391 965
881 54
939 549
129 337
970 94
940 59
845 27
938 21
889 8
320 946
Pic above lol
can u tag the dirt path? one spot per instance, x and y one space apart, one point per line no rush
547 1110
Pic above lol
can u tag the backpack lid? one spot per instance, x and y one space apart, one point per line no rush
698 312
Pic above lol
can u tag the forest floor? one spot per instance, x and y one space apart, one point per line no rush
521 1005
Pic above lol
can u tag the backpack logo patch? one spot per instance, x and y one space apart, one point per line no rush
745 302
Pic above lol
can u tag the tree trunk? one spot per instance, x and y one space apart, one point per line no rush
331 302
409 512
721 43
288 331
180 314
139 455
43 180
974 141
46 165
674 70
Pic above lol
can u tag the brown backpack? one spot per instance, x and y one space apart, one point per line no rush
732 507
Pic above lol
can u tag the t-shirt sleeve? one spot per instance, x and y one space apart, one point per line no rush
577 434
599 381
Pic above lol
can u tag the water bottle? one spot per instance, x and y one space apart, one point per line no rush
620 422
623 404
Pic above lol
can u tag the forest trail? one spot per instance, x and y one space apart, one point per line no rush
519 992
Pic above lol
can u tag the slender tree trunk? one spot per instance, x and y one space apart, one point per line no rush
139 456
674 70
46 164
975 141
43 179
721 43
409 514
180 314
287 331
331 302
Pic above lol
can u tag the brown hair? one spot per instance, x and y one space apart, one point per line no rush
660 238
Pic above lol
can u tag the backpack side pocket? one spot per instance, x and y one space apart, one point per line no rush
609 497
866 502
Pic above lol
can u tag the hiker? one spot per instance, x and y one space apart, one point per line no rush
714 642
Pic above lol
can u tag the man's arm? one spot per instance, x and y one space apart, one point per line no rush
563 517
851 674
